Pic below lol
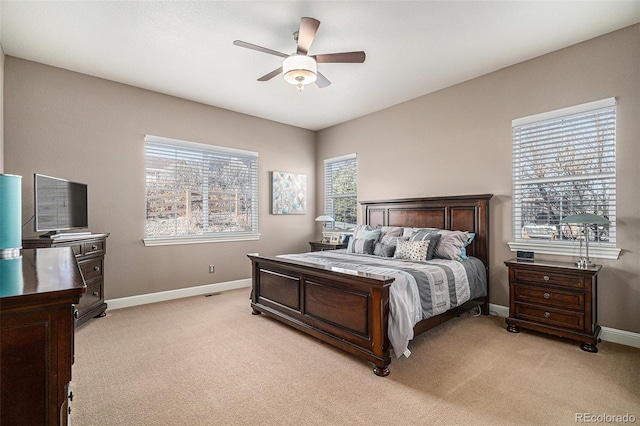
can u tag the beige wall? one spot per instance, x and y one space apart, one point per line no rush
458 141
90 130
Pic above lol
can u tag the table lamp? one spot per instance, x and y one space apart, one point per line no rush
585 219
10 216
324 218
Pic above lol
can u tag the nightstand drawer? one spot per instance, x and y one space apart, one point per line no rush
544 296
550 316
549 278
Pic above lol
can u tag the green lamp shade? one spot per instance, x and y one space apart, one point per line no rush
10 213
586 218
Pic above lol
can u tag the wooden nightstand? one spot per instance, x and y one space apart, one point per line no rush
320 246
556 298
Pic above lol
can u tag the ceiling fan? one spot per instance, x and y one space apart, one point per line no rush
300 68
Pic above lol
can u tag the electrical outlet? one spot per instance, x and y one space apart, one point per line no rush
212 269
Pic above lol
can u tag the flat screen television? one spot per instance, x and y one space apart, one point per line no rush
59 205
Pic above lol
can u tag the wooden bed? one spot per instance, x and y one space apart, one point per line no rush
350 309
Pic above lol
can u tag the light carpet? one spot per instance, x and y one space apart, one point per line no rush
208 361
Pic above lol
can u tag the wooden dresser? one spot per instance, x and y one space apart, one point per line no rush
555 298
90 251
37 294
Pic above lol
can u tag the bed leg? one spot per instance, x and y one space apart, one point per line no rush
484 308
381 371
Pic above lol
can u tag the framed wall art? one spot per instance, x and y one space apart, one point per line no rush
288 193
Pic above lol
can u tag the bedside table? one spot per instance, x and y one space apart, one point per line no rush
320 246
555 298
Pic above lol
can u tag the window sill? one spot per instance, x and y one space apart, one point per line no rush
170 241
595 251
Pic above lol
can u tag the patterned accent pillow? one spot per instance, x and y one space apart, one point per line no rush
412 250
361 246
431 235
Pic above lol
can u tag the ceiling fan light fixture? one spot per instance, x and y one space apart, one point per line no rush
299 70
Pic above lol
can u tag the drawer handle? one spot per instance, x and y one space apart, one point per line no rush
96 268
95 293
547 295
547 314
546 278
94 247
75 313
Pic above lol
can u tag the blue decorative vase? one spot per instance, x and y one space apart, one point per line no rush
11 282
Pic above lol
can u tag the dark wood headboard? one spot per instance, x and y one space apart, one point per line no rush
455 213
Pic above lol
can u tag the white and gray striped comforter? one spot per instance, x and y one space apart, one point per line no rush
420 290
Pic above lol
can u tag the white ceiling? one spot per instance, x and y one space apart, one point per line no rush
184 48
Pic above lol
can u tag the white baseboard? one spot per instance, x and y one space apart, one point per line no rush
143 299
607 334
620 336
498 310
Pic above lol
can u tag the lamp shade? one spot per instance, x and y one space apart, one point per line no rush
324 218
299 70
586 218
10 215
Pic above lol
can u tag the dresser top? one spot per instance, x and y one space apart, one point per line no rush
41 271
71 237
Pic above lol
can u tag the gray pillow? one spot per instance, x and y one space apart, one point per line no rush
391 231
433 236
451 244
386 244
386 247
363 231
361 246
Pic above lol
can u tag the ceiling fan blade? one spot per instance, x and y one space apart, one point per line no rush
259 48
308 29
272 74
345 57
322 81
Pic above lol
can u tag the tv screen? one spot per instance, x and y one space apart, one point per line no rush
59 204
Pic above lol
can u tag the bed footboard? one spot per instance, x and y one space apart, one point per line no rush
346 309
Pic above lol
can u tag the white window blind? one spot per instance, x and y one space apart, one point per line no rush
341 191
564 163
199 193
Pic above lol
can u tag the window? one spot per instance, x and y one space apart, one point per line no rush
341 191
563 164
199 193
